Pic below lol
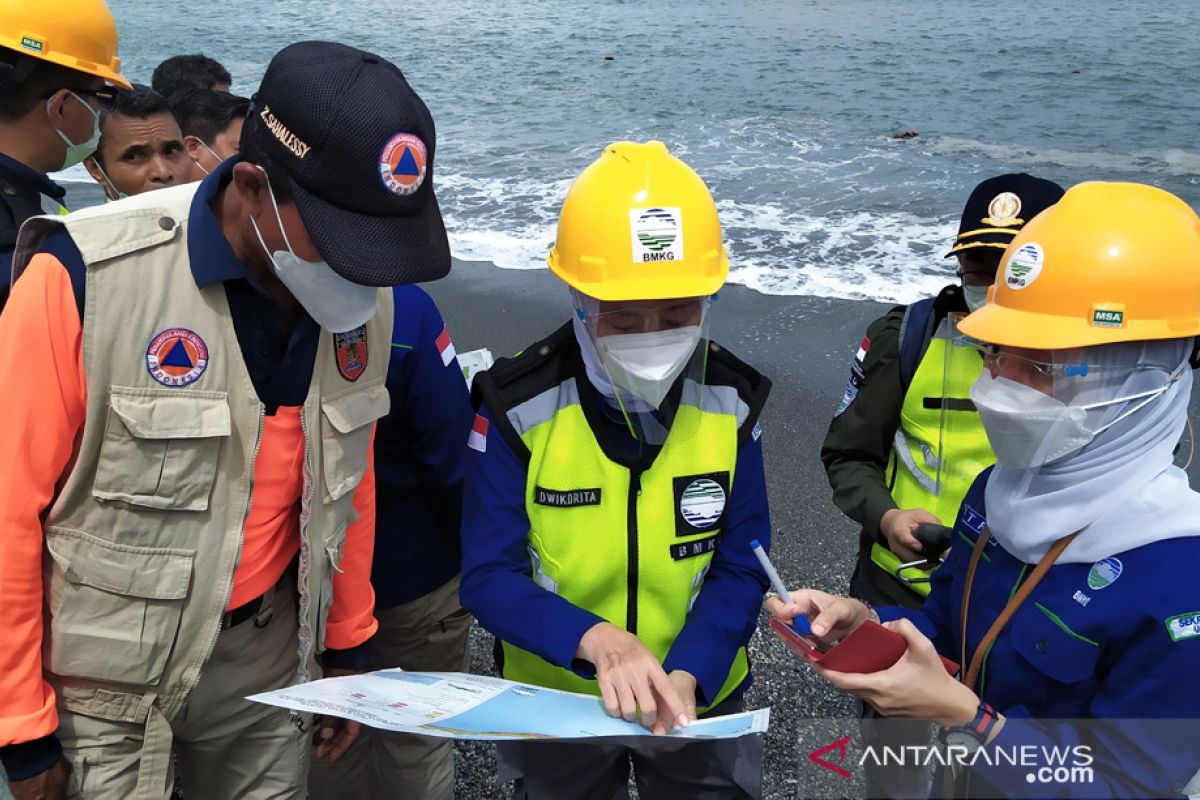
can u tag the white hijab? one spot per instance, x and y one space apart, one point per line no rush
1122 490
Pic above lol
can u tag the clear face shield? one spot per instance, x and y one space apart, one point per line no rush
645 357
1043 408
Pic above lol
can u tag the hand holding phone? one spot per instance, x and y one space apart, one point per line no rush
868 648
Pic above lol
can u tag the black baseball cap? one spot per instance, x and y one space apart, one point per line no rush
357 145
999 207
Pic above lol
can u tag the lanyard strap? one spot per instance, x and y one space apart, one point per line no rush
1019 597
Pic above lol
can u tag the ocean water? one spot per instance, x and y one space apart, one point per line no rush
785 107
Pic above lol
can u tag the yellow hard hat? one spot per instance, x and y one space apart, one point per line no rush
639 224
79 35
1109 262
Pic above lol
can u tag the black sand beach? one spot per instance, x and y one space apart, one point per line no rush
804 345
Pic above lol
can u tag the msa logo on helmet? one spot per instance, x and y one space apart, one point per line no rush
657 234
1024 266
1108 318
32 44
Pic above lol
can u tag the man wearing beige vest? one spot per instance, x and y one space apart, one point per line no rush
192 378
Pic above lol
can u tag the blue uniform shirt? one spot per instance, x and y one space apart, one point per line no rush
499 589
1117 640
21 193
420 447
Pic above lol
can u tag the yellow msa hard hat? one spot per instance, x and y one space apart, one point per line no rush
79 34
639 224
1109 262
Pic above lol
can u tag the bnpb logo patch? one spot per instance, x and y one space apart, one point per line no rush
176 357
402 164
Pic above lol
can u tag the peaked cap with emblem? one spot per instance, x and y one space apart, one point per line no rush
999 207
327 115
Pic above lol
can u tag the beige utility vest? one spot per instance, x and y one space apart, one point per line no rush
143 537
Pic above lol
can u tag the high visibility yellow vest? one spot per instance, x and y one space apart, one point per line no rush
940 446
630 546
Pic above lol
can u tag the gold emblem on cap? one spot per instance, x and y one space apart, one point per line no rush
1003 210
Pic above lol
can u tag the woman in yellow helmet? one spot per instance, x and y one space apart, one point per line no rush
57 61
616 483
1069 597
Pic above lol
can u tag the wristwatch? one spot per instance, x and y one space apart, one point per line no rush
975 733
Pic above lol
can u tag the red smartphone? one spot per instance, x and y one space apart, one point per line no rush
868 648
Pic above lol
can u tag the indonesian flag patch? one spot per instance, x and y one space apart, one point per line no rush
446 349
478 438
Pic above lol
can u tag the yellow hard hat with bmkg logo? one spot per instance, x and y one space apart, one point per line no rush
80 35
1109 262
639 224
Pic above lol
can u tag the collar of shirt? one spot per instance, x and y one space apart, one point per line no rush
212 257
29 178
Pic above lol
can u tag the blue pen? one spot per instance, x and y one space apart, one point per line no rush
800 622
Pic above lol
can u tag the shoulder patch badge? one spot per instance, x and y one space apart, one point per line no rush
445 347
176 357
351 348
479 431
1184 626
857 377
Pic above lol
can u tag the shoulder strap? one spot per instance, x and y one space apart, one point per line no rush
921 320
512 381
113 229
753 387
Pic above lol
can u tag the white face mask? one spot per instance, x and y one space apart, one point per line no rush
976 296
76 153
1028 428
647 364
336 304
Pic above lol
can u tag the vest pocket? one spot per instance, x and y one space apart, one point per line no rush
346 436
114 609
160 447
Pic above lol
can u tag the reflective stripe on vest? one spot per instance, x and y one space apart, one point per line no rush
632 548
940 446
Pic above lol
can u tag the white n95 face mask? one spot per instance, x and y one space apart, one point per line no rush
647 364
1028 428
975 296
1025 427
336 304
76 153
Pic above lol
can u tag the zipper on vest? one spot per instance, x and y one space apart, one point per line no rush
631 577
306 635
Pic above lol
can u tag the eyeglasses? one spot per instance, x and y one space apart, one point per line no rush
638 319
106 98
1000 360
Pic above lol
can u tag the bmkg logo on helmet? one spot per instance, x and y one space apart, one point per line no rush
657 234
1024 266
